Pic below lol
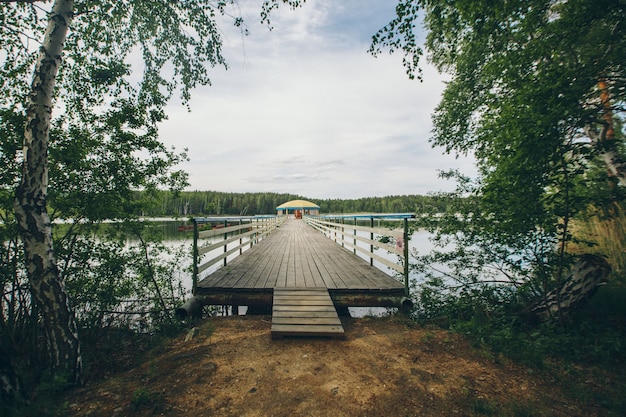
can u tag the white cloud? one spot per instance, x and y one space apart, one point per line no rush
306 110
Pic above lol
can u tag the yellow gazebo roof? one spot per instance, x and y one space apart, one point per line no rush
297 204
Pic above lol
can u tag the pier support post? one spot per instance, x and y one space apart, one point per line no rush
225 244
406 257
371 238
354 240
194 276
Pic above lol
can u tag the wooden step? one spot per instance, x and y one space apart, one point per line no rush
305 312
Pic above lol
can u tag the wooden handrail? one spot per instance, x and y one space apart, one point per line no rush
345 234
254 228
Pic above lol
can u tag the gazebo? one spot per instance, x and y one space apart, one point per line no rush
298 208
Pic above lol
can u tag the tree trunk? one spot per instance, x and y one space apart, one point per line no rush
46 284
590 272
605 139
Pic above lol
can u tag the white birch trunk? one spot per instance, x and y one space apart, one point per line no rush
30 205
605 140
608 150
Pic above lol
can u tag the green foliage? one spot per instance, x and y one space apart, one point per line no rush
104 143
399 34
478 280
386 204
484 407
96 143
523 98
487 316
120 278
144 397
475 256
199 203
122 275
44 399
94 175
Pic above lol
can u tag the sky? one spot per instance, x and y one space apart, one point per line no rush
304 109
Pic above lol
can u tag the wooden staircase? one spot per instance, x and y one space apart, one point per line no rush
305 312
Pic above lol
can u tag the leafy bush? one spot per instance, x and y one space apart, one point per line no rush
122 282
144 397
489 317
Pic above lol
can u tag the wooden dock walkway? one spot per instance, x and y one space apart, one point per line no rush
298 256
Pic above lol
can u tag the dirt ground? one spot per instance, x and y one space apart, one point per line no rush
385 367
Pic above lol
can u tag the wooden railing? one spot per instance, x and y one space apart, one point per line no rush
343 229
233 234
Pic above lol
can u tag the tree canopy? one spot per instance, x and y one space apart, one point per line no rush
536 93
535 89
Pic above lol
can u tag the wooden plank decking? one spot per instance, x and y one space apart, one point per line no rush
297 255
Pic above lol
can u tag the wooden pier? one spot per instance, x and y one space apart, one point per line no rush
280 269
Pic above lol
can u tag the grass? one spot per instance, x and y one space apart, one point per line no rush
606 234
145 398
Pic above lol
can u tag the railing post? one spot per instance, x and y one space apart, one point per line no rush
354 240
240 238
253 230
194 274
343 229
225 239
371 238
406 257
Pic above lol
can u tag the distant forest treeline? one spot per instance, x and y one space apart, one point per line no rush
201 203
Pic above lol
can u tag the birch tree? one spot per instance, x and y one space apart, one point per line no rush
30 203
86 81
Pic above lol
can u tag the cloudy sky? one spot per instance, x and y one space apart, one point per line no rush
305 109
